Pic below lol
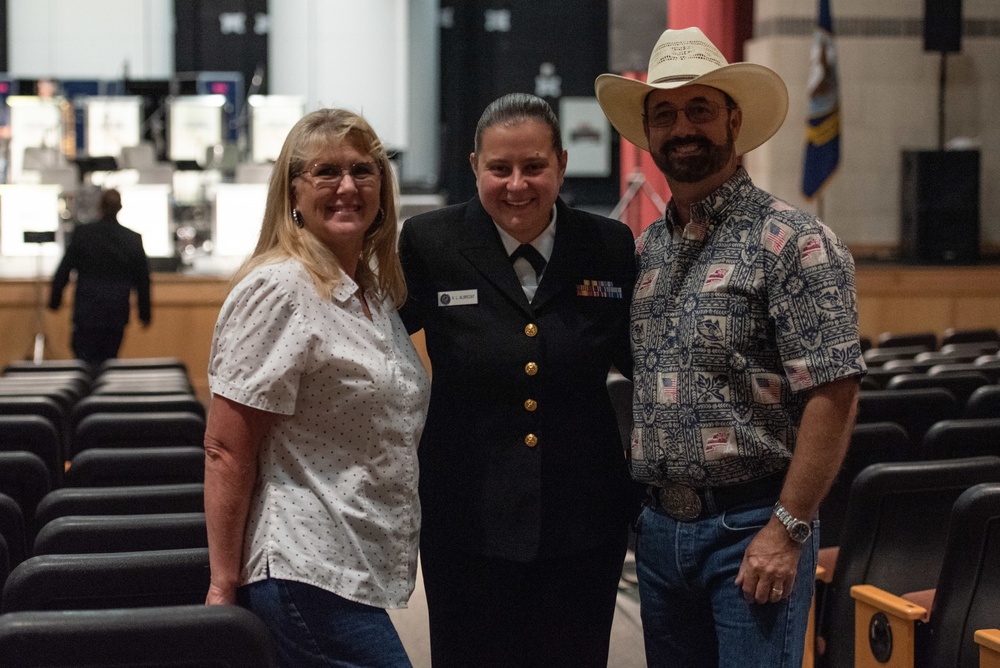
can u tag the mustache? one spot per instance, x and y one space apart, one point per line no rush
702 142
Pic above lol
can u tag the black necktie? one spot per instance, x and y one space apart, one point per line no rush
531 254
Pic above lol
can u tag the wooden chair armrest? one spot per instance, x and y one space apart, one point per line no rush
989 638
923 598
888 603
825 563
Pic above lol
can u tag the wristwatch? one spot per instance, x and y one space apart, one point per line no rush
798 530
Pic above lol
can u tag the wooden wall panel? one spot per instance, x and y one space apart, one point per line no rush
890 298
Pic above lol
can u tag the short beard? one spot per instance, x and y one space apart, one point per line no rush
697 167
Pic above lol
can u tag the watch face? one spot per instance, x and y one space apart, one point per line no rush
799 531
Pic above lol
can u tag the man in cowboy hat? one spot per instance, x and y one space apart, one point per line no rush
747 362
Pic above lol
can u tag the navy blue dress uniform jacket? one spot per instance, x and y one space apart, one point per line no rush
521 456
109 261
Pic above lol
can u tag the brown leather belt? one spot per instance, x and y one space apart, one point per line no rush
686 504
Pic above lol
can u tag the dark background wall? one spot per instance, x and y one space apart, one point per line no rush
222 36
491 48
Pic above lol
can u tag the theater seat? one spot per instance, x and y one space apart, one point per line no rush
44 407
37 435
92 404
94 534
870 444
116 467
114 580
915 410
983 403
960 383
878 356
925 340
12 530
131 430
24 478
144 363
49 365
895 631
953 335
962 438
165 637
132 500
894 537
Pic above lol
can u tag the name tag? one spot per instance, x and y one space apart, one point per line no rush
458 298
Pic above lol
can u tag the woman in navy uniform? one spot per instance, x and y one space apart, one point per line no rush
524 486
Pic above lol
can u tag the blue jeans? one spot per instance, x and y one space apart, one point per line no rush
693 614
313 627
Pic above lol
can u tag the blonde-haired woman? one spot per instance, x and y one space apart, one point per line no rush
318 401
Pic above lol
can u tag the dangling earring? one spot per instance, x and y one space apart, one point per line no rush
380 216
297 217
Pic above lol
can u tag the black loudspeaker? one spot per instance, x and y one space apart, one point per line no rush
943 25
940 207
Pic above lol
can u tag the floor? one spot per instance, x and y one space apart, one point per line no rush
626 632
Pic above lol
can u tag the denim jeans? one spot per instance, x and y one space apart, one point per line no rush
693 614
313 627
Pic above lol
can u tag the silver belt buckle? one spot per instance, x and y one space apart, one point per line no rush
680 501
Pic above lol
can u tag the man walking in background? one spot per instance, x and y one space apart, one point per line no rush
109 262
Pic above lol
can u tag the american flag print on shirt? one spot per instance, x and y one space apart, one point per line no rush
776 237
668 388
767 388
798 374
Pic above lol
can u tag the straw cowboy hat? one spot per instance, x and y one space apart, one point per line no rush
686 57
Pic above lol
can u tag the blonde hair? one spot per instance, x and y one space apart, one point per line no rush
281 239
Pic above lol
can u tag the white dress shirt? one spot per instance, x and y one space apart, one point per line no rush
335 504
543 243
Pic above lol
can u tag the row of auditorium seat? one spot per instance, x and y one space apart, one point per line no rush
892 507
915 511
107 562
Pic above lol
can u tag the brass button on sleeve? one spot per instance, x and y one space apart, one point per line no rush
530 405
531 329
531 440
531 368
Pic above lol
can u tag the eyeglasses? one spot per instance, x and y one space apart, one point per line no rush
324 175
696 111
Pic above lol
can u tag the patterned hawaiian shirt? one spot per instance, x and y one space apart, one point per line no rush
734 319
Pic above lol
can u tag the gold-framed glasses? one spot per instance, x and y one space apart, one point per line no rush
696 111
329 175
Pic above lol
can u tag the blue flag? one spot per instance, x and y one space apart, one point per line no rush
823 130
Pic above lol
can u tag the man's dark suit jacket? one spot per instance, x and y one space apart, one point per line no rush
482 488
109 262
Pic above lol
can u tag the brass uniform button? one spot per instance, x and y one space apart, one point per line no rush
530 329
531 368
531 440
530 405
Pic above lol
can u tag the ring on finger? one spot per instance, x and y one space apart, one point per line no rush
777 592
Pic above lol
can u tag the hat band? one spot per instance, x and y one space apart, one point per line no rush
679 77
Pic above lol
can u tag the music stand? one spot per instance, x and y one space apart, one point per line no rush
38 353
637 183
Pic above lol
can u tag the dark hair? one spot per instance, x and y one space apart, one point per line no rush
514 108
110 203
